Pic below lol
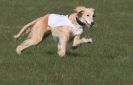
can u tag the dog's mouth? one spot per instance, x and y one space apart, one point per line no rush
90 25
85 23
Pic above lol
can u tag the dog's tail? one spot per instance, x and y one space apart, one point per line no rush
25 28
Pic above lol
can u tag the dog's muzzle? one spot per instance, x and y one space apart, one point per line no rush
92 24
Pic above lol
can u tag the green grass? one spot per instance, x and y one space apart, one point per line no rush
108 61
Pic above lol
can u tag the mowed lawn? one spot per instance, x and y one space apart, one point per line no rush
107 61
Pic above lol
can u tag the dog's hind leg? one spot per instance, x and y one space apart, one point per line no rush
35 36
29 42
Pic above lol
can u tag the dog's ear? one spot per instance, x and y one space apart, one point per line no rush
79 8
79 14
93 9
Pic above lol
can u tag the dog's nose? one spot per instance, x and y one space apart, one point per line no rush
92 23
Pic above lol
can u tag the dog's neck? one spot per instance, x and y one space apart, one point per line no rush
75 20
80 22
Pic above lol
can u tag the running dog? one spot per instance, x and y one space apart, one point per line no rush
62 27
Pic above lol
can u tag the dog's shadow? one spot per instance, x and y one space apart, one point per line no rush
50 53
68 54
72 54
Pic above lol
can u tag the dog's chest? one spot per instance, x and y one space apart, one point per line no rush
56 20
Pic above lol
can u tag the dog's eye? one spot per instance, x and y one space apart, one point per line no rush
88 15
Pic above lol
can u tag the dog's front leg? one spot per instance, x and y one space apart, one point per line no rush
62 46
86 40
77 41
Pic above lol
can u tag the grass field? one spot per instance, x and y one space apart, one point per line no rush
108 61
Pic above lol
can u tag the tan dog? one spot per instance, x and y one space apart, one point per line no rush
61 27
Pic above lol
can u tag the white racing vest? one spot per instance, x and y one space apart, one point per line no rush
62 20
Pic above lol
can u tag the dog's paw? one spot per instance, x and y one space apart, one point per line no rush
87 40
18 50
61 53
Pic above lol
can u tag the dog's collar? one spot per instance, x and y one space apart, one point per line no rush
80 22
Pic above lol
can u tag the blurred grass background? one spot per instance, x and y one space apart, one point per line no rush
108 61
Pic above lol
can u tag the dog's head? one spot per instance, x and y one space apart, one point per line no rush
85 15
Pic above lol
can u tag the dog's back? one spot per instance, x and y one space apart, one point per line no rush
58 20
